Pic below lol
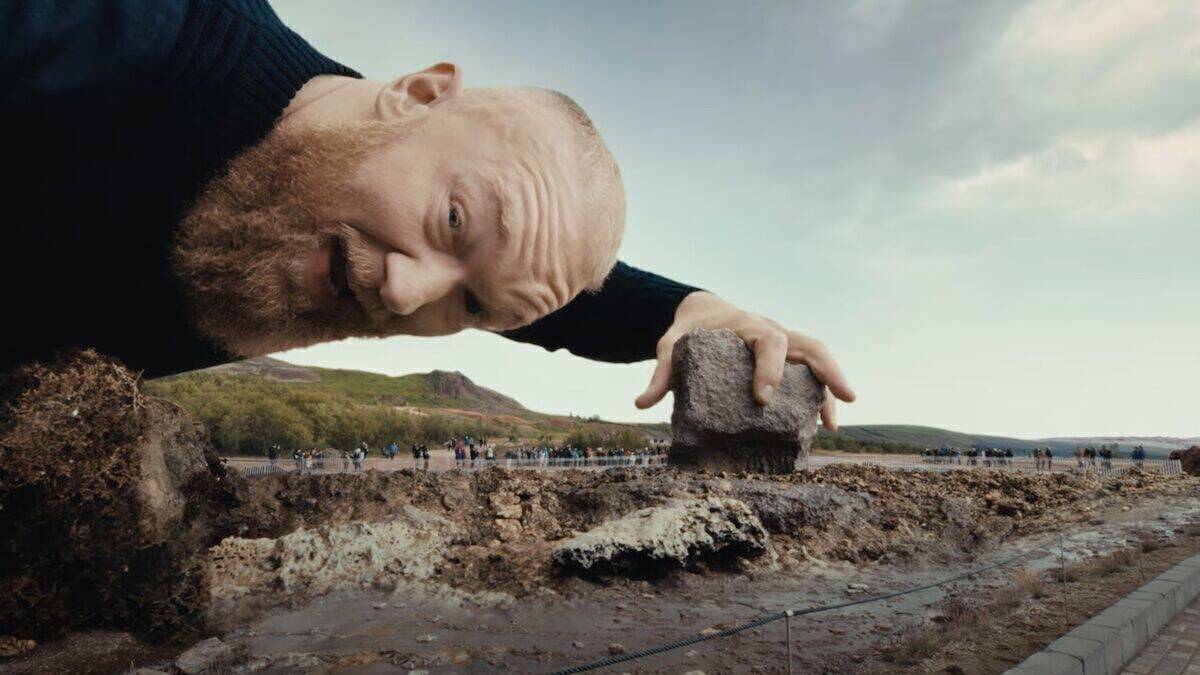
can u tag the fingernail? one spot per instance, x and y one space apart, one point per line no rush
767 392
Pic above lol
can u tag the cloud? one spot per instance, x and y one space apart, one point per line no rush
1113 181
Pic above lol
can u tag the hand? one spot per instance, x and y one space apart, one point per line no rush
772 344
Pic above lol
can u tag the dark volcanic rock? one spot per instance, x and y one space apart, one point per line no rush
653 541
785 508
717 424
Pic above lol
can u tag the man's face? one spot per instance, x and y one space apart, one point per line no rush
468 216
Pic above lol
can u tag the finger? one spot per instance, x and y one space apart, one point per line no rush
770 353
829 413
660 381
816 356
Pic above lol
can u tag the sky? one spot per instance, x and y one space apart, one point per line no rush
989 211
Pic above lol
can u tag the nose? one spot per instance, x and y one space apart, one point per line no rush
412 283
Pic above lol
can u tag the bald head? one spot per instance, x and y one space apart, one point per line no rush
445 209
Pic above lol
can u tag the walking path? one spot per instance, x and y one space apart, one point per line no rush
1176 648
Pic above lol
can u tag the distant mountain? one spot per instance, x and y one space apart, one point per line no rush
455 393
437 389
1153 444
272 369
933 437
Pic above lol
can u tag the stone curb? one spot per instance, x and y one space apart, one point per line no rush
1109 640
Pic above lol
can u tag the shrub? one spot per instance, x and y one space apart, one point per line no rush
1030 583
911 644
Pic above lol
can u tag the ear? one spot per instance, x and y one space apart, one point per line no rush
418 90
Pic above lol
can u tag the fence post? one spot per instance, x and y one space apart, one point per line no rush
1062 558
788 642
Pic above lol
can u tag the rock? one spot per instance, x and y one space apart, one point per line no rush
691 654
206 656
785 508
15 646
857 587
147 671
653 541
717 425
427 638
577 644
616 648
309 563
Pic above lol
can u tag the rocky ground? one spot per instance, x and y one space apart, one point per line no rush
141 533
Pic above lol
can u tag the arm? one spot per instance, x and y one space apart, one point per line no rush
54 49
620 323
638 316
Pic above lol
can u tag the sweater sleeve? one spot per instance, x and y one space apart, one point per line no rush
620 323
52 49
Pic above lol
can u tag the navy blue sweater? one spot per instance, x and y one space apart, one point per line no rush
115 113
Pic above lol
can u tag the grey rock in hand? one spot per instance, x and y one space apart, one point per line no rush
717 425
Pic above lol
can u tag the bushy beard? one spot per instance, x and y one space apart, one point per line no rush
241 250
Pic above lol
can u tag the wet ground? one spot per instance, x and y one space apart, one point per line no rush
373 633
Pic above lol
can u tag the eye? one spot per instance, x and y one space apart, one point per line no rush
455 219
472 304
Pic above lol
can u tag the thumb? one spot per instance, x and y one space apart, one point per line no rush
660 381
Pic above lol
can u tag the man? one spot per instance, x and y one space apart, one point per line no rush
191 182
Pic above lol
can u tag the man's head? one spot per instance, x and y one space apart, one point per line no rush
430 210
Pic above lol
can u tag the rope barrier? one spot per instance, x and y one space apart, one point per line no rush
777 616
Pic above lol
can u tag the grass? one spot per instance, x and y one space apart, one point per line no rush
1030 583
911 644
1149 542
960 613
1117 561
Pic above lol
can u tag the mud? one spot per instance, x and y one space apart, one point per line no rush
118 516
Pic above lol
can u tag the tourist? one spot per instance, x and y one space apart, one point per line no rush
298 458
345 461
1049 458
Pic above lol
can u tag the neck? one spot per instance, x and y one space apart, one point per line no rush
329 99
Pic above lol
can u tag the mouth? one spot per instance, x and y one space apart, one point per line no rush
327 276
339 278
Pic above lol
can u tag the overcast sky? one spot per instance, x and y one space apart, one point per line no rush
989 211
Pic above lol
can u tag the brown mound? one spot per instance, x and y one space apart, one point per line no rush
98 487
1188 459
511 520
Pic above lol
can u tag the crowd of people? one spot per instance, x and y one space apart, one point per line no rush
974 456
1085 457
470 452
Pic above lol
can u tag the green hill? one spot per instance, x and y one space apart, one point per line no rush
249 402
253 404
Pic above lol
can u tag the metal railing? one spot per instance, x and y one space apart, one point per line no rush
262 467
1098 466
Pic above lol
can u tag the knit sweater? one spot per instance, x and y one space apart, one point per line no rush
116 113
